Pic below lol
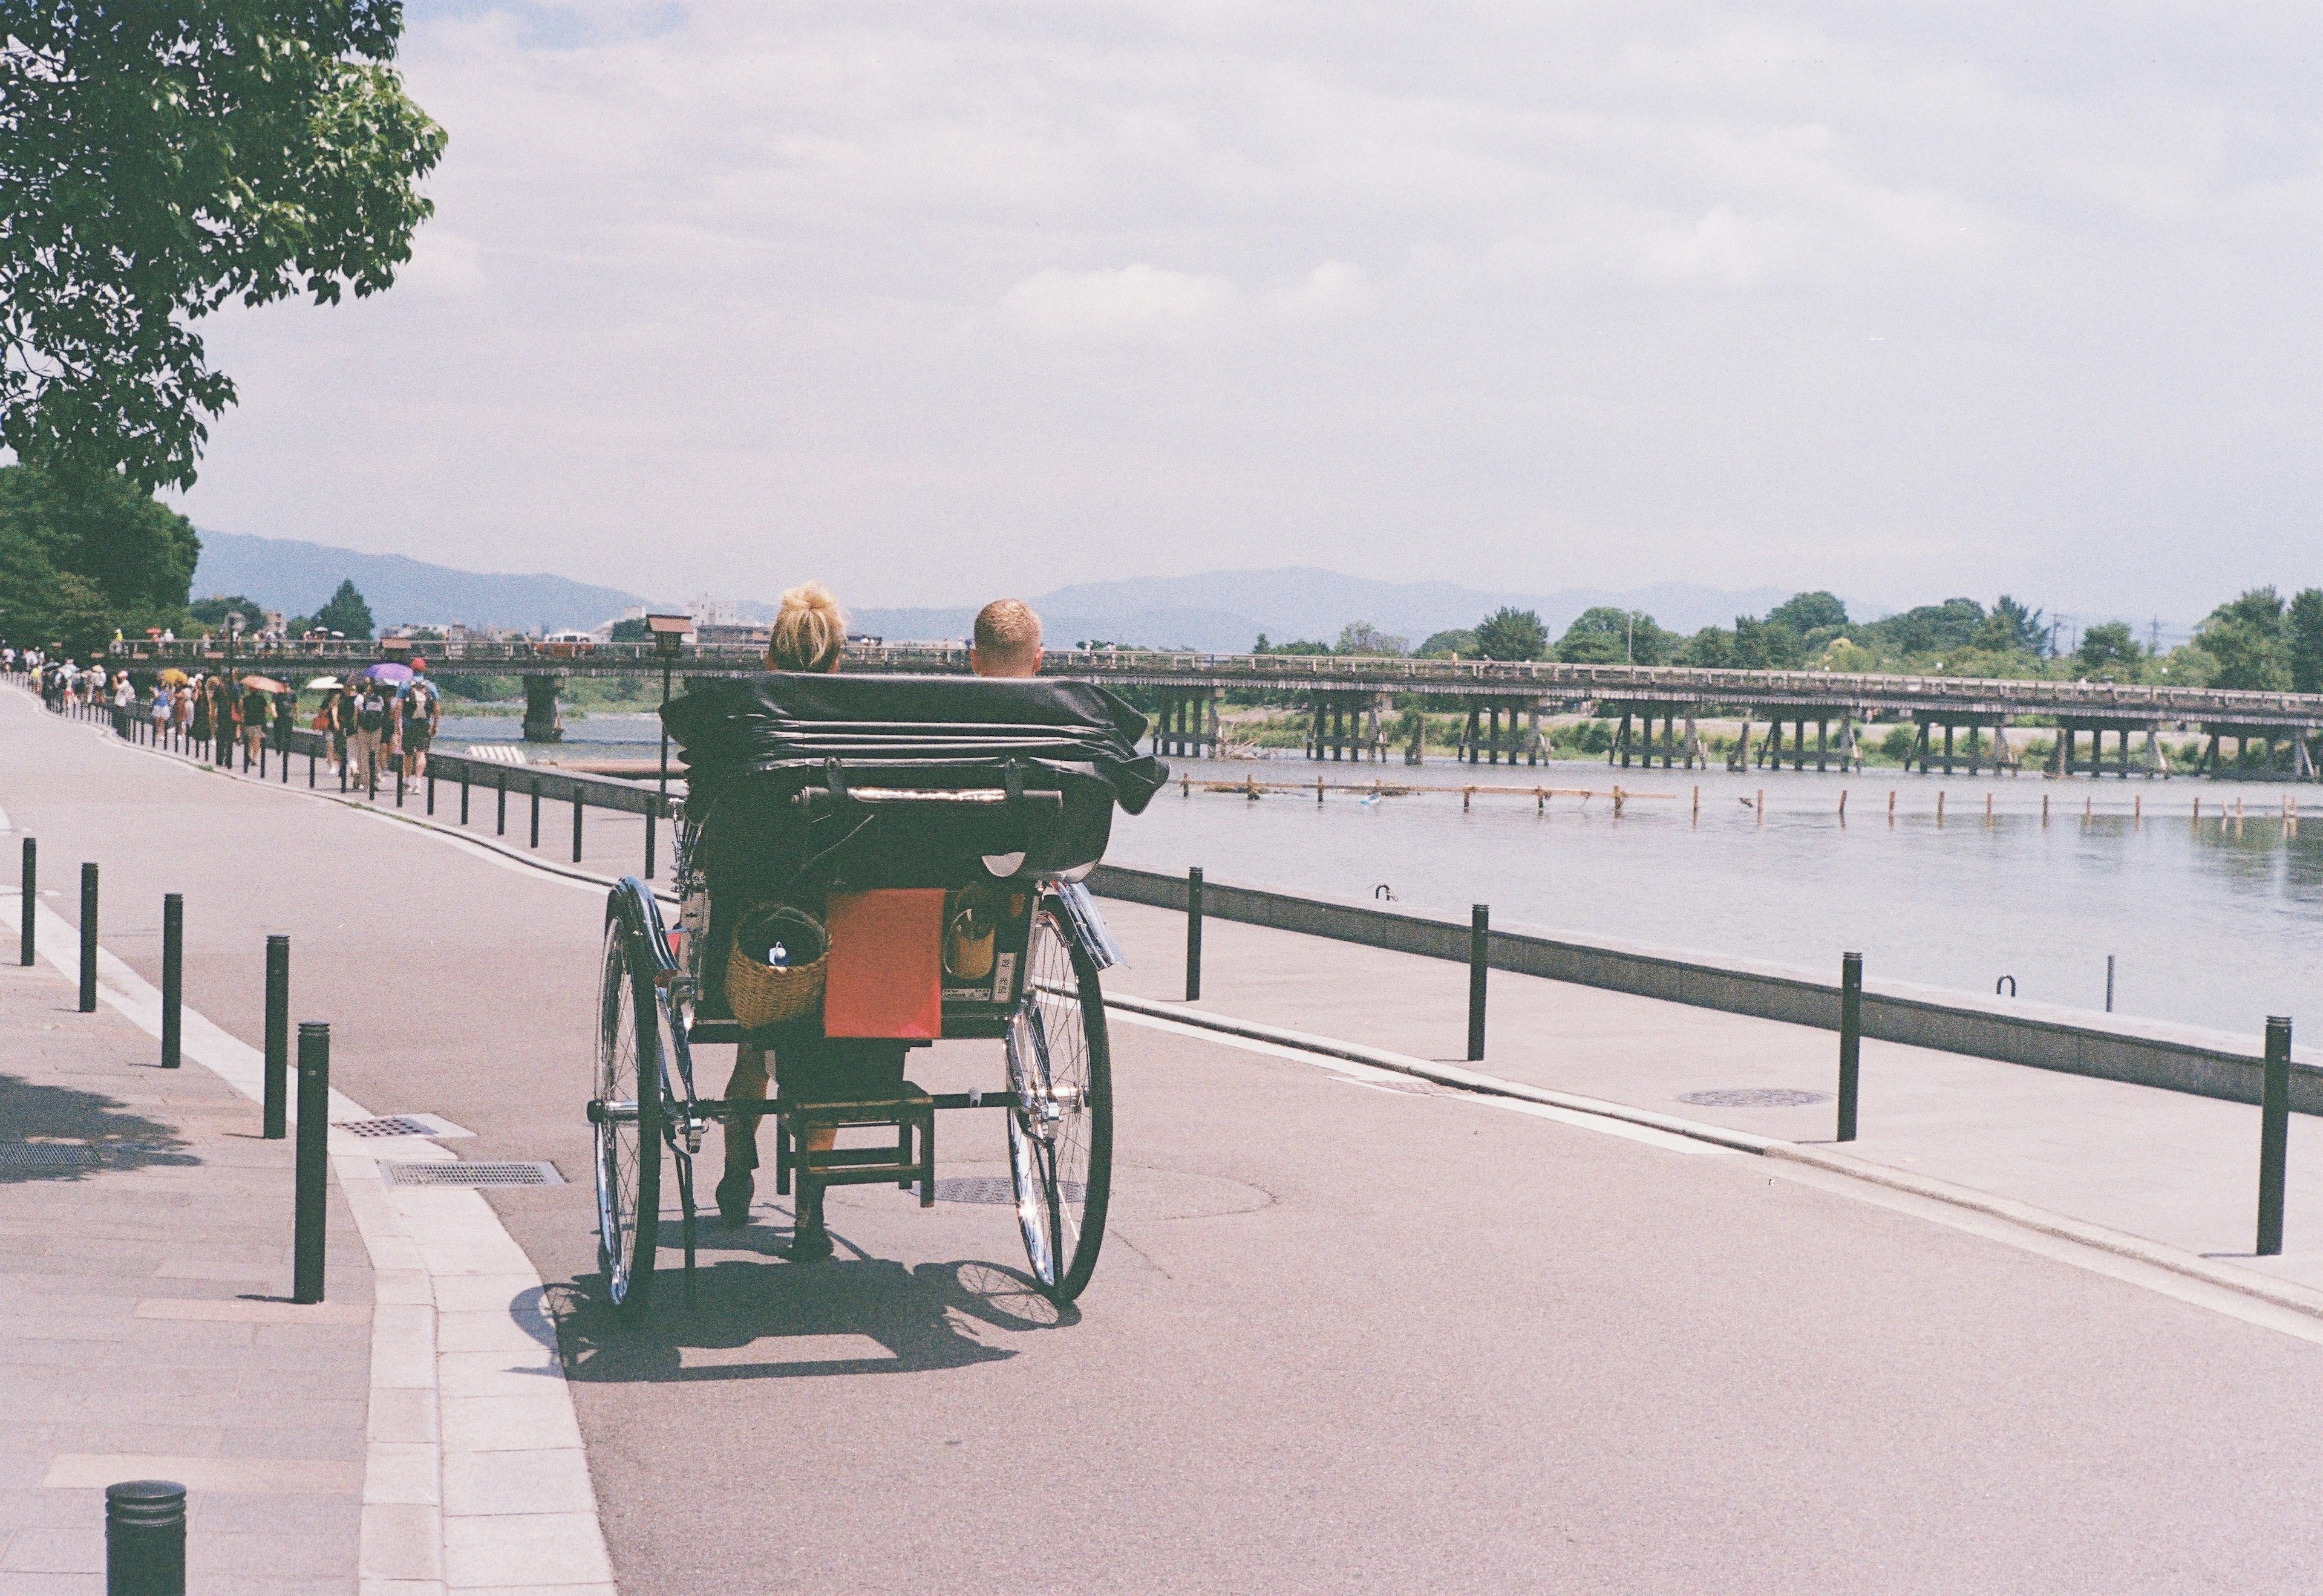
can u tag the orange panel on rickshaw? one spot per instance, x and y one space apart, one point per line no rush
886 974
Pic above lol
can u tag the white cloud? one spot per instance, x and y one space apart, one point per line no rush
1333 290
1137 301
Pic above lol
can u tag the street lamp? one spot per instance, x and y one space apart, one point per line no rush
669 636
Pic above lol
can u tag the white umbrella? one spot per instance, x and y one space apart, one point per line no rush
321 685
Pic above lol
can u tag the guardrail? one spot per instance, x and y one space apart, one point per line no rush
2197 1061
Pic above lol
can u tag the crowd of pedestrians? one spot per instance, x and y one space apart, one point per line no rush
375 722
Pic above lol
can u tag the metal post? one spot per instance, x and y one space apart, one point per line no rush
431 789
500 828
173 976
32 900
577 807
310 768
274 1125
89 939
1480 951
2109 983
535 811
1194 934
1850 1040
399 781
145 1538
2274 1134
653 823
463 795
313 1165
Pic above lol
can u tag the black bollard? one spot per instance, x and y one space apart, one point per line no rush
1480 960
145 1538
314 1162
399 781
535 811
173 977
274 1124
653 824
89 939
311 769
31 900
500 826
576 825
463 795
431 792
2274 1134
1194 934
1851 1039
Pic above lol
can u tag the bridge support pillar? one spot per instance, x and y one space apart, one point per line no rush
542 722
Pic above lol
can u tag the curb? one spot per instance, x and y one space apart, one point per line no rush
2283 1294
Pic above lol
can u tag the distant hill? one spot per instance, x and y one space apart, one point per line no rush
298 578
1220 611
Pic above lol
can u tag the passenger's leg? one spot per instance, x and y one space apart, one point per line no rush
748 1083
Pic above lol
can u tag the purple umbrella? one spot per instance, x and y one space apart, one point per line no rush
395 675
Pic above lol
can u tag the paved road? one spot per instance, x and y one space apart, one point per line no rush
1342 1337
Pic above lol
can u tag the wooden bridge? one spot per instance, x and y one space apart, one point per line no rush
1658 708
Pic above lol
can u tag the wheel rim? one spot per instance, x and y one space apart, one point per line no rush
618 1142
1051 1131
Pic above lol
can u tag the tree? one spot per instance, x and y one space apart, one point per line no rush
167 158
1603 635
213 610
1928 629
2247 636
634 629
1810 612
1510 633
1768 644
346 612
2011 628
1362 638
1712 647
1459 640
2109 646
84 553
2305 620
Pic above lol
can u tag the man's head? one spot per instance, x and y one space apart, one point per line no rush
1007 640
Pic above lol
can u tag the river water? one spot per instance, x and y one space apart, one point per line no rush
2211 923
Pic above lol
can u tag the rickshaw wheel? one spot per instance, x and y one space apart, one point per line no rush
1060 1131
628 1147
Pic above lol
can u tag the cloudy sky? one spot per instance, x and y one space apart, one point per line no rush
936 299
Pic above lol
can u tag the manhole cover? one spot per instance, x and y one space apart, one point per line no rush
991 1188
480 1173
46 1157
1754 1097
392 1126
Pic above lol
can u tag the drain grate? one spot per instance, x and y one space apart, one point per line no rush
454 1172
1754 1097
1415 1088
394 1124
46 1156
991 1188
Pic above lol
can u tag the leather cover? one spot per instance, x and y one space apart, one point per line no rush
886 974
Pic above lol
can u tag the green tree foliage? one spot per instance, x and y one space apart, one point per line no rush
82 554
2305 622
1931 628
1459 640
165 159
346 612
2108 649
1806 613
1510 633
1712 648
2249 639
1362 638
212 612
1768 644
633 630
1607 636
2011 628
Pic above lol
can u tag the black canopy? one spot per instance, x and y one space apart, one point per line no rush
782 722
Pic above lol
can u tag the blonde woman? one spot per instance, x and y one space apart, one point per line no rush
809 637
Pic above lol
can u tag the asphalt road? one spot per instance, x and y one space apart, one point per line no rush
1341 1337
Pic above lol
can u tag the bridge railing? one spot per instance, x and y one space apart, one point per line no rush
1307 672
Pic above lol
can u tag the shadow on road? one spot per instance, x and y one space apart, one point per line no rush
745 1311
57 1133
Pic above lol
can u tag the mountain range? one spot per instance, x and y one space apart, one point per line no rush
1214 610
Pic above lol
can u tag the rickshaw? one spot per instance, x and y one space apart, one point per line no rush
863 803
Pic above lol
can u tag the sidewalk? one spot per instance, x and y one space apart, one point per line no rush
144 1320
2171 1168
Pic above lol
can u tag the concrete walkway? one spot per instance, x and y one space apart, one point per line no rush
2179 1170
144 1319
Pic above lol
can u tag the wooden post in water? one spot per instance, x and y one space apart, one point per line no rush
1761 806
1697 804
1940 806
1891 806
1842 806
2044 811
1987 809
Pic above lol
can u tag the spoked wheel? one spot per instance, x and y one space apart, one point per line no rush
629 1124
1060 1131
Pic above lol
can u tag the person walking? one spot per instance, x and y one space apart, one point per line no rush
181 712
257 717
373 710
160 710
342 706
422 712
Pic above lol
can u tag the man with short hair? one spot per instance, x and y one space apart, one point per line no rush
1007 641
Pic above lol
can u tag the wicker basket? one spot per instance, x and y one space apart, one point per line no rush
761 995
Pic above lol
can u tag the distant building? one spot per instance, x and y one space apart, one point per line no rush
708 612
